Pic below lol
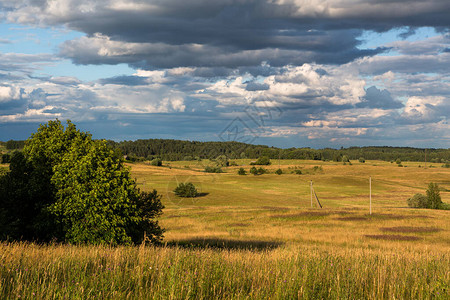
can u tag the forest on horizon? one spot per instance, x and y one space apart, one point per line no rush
175 150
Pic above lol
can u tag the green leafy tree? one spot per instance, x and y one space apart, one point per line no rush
279 172
222 161
6 158
263 160
433 196
156 162
418 201
241 171
74 189
253 170
187 190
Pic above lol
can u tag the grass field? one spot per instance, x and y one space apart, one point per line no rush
258 237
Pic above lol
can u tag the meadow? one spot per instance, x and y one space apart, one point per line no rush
257 237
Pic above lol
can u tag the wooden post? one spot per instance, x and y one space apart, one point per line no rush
370 192
311 190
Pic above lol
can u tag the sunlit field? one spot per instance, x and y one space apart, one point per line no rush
258 237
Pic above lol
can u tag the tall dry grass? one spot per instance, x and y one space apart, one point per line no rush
31 271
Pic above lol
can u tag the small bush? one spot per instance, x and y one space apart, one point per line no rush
263 160
418 201
156 162
398 161
446 165
209 169
255 171
362 160
345 159
241 171
317 168
279 172
298 172
186 190
262 171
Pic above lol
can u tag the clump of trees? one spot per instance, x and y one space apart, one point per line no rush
431 200
67 187
187 190
209 169
263 161
259 171
157 162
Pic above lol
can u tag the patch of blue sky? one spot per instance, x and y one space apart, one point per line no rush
85 72
372 39
16 38
33 40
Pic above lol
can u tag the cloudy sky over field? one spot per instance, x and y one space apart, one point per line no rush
290 73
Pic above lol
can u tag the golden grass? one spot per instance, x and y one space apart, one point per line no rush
256 237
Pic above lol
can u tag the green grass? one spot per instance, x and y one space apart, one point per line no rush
256 237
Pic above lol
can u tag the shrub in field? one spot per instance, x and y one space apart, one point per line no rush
433 196
398 161
65 186
259 171
298 172
241 171
187 190
263 160
209 169
156 162
431 200
222 161
345 159
417 201
362 160
279 172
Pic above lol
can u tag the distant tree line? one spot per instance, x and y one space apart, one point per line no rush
173 150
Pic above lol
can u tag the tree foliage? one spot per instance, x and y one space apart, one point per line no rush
418 201
263 160
433 196
187 190
68 187
431 200
241 171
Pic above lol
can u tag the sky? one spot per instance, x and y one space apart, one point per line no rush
285 73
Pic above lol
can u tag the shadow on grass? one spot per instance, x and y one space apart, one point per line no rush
201 195
217 243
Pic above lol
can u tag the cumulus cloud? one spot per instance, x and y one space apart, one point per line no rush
208 62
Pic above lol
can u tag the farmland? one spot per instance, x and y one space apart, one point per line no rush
249 236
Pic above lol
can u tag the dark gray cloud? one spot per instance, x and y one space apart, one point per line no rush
125 80
231 34
382 99
255 86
